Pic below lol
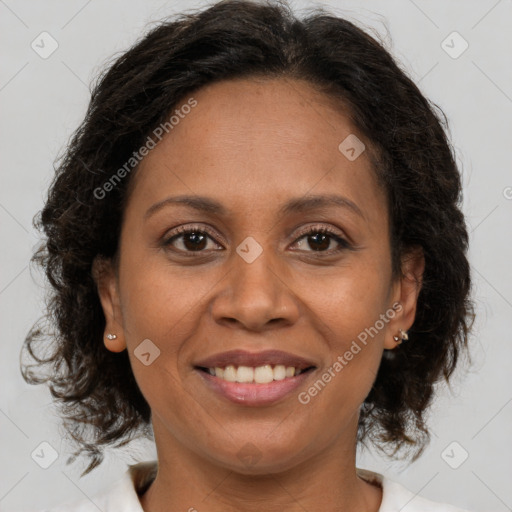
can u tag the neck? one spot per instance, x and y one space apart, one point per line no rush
328 481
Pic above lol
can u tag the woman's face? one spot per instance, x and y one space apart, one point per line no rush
287 250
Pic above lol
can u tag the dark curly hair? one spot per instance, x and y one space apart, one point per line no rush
99 399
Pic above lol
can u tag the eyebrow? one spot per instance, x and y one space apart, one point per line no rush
302 204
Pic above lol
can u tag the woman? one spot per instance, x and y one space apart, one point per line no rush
254 215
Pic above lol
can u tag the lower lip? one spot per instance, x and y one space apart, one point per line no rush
252 394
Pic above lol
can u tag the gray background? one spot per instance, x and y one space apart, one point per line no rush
42 102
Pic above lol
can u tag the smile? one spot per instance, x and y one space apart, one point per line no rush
258 375
254 379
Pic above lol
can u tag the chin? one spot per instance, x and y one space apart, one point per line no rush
259 457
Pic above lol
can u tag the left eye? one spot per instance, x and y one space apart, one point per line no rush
321 241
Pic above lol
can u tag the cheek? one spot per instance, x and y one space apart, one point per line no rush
351 299
354 318
166 306
158 300
160 306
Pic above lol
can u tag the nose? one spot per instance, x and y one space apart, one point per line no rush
256 296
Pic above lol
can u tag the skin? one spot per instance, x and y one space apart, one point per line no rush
252 145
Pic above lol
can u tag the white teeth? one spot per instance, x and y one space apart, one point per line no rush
229 373
279 372
290 371
245 374
263 374
259 375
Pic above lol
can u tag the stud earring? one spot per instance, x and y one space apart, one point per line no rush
403 336
113 343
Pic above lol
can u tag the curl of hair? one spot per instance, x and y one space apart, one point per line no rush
100 401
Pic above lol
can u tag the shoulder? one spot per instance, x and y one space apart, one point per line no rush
122 496
396 498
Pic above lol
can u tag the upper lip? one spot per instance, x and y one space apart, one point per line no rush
254 359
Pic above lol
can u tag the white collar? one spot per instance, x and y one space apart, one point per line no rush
122 496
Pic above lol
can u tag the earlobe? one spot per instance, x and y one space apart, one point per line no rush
113 343
106 283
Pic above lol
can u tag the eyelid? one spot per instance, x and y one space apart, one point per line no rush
320 228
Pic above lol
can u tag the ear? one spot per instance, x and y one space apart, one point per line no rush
104 275
406 290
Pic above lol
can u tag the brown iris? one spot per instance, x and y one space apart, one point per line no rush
319 241
195 241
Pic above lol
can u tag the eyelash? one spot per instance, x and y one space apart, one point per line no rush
181 231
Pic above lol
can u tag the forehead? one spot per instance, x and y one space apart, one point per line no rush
259 118
251 142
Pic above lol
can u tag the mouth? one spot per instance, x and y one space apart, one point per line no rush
255 375
256 367
254 379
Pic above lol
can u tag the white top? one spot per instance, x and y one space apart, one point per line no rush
123 495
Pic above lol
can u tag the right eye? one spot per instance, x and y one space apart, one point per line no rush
189 240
